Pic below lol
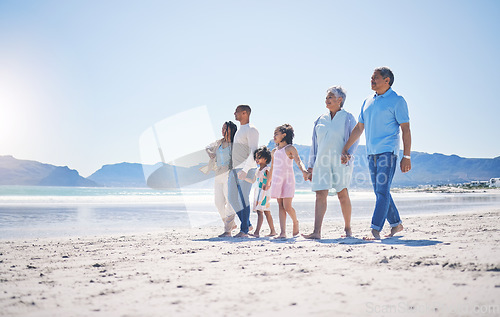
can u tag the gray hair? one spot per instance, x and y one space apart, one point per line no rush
338 91
386 72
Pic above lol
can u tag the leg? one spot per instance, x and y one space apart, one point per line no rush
238 192
345 206
393 218
260 220
219 199
220 194
372 165
282 216
229 224
382 168
287 203
319 214
270 222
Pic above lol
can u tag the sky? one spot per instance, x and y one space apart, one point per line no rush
82 81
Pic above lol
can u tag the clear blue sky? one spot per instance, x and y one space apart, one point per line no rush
81 81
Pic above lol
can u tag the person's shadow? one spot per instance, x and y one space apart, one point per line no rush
397 240
410 243
234 240
348 241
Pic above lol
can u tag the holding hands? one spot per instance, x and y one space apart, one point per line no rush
267 185
308 175
346 157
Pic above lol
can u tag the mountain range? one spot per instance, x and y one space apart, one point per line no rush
427 169
23 172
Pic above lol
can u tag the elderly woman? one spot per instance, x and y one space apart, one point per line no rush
330 134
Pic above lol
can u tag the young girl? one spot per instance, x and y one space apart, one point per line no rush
261 197
282 178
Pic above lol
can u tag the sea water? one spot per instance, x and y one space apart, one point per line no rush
39 211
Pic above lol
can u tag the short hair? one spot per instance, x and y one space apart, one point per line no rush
245 108
264 153
286 128
386 72
338 91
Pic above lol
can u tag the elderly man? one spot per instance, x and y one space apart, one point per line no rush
382 115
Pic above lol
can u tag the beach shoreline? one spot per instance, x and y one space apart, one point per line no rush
441 265
80 215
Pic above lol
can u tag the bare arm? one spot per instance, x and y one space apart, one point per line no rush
405 162
270 175
294 154
355 134
253 144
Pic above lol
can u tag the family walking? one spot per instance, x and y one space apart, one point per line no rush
238 162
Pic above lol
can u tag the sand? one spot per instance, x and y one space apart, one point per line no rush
446 265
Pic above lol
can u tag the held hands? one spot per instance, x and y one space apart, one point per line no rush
306 175
267 185
405 165
346 157
242 175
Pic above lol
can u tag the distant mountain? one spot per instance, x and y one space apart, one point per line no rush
427 169
120 175
23 172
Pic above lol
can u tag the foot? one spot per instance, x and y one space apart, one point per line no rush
250 228
281 236
295 228
272 234
225 235
395 230
348 233
241 235
313 235
255 234
376 236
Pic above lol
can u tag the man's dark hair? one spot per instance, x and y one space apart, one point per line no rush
264 153
245 108
386 72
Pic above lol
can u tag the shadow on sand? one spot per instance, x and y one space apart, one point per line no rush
410 243
348 241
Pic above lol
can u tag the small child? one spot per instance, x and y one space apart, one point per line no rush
282 177
262 203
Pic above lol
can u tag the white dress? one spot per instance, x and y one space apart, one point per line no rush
328 171
262 200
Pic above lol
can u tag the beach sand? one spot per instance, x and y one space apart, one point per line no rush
446 265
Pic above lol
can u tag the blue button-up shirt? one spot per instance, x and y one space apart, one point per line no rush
382 115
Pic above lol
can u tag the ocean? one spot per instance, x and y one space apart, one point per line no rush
49 212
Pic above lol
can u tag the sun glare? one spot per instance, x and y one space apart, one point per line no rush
21 95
